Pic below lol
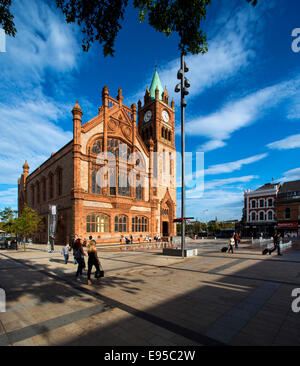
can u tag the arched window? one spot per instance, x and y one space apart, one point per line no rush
261 216
51 185
96 184
44 189
138 192
139 224
169 136
38 193
253 203
253 216
123 184
261 203
32 195
270 202
120 224
112 182
97 223
59 182
270 215
97 146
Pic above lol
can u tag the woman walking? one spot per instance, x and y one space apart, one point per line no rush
231 244
79 254
93 260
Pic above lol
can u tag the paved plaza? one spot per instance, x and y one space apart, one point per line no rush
147 299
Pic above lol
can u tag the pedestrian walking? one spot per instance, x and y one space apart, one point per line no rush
131 239
237 240
231 244
79 254
93 260
73 240
65 252
278 237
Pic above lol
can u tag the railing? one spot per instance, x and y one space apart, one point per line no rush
262 241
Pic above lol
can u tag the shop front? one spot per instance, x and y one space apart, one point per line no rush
289 229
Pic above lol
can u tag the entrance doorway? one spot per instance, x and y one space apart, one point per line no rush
165 228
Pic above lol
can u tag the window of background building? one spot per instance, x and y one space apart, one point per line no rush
287 213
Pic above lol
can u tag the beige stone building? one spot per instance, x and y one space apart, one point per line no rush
117 177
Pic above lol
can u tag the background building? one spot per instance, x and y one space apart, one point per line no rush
107 182
288 209
259 213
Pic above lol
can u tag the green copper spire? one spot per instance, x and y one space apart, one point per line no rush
156 84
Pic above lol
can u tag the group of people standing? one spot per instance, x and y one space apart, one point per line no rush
77 246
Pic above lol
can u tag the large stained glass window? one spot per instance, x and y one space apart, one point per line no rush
97 146
96 184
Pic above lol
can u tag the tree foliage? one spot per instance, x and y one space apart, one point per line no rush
28 222
7 217
100 20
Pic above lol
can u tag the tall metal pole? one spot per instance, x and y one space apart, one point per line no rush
182 162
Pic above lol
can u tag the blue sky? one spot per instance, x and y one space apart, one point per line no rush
243 110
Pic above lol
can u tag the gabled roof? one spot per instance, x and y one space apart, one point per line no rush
293 186
266 186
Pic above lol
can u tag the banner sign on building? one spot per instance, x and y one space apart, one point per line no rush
52 220
287 225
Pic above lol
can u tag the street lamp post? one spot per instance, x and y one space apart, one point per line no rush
182 87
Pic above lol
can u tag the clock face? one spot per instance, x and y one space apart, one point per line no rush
147 116
165 116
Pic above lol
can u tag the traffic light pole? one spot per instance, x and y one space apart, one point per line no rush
182 160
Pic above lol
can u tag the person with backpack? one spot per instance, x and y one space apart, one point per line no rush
93 260
79 255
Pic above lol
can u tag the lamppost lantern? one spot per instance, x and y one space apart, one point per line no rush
177 88
183 88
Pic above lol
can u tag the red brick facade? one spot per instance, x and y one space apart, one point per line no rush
143 199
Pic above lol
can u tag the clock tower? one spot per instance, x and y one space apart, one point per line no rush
156 126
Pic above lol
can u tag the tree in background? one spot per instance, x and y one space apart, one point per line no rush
28 223
100 20
7 217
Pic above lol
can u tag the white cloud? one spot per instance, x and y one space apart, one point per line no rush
290 175
233 165
229 51
8 198
291 142
43 42
29 132
219 126
44 46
